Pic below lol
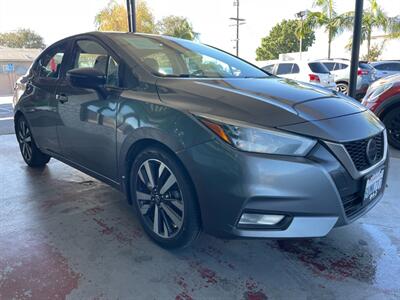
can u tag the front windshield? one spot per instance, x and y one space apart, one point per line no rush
180 58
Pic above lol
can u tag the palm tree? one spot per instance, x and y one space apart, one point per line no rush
374 18
328 18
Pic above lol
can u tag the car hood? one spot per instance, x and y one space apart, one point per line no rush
270 102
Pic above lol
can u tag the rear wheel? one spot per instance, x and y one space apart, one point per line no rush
392 123
164 199
30 152
342 87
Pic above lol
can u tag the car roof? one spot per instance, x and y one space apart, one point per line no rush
376 63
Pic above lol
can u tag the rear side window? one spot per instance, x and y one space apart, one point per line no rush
284 68
340 66
329 65
50 62
295 69
366 66
317 67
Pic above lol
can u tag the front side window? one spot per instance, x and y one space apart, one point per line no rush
180 58
90 54
50 63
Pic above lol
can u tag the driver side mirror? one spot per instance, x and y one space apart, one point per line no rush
86 78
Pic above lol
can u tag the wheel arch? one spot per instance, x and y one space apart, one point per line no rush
387 106
135 149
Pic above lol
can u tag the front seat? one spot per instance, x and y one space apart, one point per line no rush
101 63
152 63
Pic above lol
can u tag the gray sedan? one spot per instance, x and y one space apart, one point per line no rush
200 140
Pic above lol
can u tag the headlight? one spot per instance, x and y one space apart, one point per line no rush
372 97
259 140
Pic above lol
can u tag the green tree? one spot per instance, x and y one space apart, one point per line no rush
176 26
328 18
114 17
22 38
375 52
374 18
284 38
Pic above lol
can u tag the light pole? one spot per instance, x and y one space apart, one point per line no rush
238 20
301 15
130 6
355 49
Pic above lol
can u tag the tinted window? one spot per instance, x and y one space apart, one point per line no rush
340 66
50 62
317 67
295 69
269 68
365 66
388 67
284 69
395 67
329 65
182 58
90 54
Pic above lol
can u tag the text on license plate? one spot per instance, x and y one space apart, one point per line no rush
373 185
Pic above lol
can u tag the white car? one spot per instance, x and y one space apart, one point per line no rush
306 71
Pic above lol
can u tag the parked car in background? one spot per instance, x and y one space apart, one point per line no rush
386 68
340 68
305 71
383 98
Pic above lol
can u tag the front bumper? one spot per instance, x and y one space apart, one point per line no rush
309 191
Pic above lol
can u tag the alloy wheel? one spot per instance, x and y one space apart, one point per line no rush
159 198
25 139
342 88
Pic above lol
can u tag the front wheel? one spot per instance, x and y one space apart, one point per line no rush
164 199
392 124
30 152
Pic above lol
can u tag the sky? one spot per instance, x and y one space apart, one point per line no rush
56 19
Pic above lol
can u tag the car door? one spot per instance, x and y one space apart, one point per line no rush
87 131
40 100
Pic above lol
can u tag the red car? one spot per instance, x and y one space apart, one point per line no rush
383 98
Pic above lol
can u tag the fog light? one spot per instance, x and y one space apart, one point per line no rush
259 219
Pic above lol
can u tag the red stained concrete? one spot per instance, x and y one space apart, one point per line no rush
33 269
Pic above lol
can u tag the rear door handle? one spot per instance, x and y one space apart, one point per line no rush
62 98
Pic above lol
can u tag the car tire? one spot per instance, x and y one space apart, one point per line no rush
164 199
31 154
342 87
392 124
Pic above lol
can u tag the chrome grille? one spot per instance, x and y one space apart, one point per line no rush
358 151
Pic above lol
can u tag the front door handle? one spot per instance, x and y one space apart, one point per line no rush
62 98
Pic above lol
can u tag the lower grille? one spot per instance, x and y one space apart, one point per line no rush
352 204
358 151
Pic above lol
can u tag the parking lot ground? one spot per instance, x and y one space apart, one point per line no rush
6 115
66 235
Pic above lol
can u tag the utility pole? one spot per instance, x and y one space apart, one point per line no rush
355 50
130 6
301 15
238 23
